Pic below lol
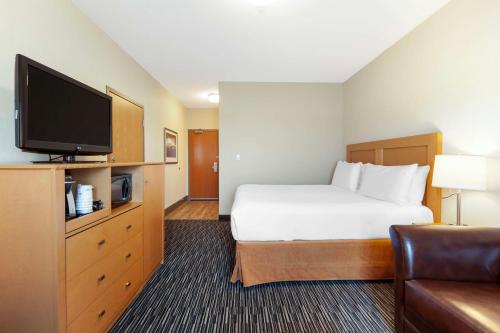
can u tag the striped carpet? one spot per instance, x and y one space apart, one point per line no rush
191 292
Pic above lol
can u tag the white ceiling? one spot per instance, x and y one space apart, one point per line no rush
191 45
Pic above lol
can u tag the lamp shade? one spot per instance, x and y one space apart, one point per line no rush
460 172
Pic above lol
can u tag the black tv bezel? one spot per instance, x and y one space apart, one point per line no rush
22 114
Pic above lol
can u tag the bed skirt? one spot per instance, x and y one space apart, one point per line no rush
264 262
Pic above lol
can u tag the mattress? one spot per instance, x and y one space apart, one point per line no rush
315 212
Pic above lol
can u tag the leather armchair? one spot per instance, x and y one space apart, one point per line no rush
447 278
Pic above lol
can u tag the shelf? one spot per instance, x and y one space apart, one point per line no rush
137 179
100 179
124 208
82 221
85 224
69 166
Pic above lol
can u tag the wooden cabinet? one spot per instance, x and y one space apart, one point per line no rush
57 278
154 231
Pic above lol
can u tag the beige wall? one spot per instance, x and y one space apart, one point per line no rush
445 75
57 34
202 118
285 133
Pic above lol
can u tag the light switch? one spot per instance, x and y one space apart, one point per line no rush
238 157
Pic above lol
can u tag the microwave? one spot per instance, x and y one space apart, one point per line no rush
121 189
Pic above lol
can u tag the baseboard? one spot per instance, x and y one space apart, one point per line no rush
203 199
175 205
225 218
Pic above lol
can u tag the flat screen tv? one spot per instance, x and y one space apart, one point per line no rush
56 114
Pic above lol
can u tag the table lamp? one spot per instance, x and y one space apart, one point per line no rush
459 172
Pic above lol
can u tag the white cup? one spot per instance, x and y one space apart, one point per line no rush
84 199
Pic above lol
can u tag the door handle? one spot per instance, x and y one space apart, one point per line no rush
215 167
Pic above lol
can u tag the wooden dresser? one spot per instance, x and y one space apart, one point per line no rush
77 275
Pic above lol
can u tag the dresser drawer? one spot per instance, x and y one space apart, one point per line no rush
100 315
127 225
87 286
89 246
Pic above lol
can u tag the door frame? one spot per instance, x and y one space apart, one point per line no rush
189 164
110 90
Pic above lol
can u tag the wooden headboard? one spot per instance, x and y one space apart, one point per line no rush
419 149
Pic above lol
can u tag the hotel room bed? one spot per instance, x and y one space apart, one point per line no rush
315 212
321 232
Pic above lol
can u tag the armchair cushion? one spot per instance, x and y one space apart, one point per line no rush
453 306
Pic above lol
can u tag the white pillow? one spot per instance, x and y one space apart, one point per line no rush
417 187
388 183
346 175
363 166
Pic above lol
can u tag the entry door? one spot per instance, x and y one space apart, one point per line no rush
203 164
128 129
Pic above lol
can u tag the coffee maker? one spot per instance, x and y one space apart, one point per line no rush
70 200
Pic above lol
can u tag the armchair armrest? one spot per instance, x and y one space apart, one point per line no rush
444 252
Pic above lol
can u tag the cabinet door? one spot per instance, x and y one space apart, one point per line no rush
128 129
153 217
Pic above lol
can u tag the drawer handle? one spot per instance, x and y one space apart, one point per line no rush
129 227
128 255
101 278
128 284
102 313
101 242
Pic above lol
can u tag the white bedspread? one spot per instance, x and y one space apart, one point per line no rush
315 212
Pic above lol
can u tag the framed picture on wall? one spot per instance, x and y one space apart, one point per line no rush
171 142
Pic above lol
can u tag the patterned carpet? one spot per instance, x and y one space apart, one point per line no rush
191 292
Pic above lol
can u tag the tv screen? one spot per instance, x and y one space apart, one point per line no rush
57 114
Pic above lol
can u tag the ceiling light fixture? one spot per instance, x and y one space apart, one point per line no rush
213 98
260 3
